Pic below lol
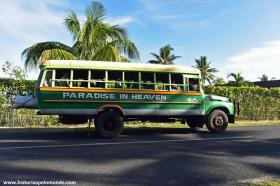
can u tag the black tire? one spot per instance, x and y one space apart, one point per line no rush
195 123
217 121
108 124
192 125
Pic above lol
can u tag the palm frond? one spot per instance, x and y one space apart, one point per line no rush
107 53
73 25
32 54
58 54
95 11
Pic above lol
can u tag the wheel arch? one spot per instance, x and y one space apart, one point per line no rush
225 109
115 108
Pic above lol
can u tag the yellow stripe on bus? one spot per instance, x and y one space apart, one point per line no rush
116 91
130 102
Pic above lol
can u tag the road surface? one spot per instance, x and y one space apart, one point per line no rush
141 157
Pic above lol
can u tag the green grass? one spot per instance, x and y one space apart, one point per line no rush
265 182
247 123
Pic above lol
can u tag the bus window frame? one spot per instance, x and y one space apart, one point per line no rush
89 80
128 82
186 82
78 80
174 84
99 81
166 85
43 77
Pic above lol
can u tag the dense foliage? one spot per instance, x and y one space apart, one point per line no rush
256 103
19 117
16 87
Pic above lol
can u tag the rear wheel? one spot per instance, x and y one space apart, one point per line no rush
108 124
217 121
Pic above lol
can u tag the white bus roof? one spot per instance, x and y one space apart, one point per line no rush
81 64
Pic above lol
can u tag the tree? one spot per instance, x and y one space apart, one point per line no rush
13 72
238 81
265 78
93 40
207 73
219 81
165 57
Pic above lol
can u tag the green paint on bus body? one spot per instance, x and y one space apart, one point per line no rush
88 99
93 100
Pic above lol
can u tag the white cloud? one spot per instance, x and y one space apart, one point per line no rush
256 61
121 20
23 23
26 19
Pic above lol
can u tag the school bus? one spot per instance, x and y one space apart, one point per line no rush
110 93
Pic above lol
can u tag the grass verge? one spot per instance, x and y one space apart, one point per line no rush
262 182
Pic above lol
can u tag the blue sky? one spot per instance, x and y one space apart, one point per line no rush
236 35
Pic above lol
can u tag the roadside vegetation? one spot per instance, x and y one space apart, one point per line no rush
265 182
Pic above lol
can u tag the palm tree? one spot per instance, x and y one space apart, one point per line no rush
238 80
219 81
165 57
265 78
93 40
207 73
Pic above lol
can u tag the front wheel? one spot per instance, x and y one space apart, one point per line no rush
217 121
108 124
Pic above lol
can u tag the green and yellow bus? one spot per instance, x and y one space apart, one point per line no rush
110 93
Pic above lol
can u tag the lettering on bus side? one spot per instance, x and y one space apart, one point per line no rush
112 96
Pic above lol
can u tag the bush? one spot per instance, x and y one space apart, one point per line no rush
19 117
256 103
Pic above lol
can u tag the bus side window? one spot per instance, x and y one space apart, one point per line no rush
98 79
131 80
193 84
177 82
162 81
47 82
115 79
80 78
147 79
62 78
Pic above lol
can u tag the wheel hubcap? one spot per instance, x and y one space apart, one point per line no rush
109 125
218 121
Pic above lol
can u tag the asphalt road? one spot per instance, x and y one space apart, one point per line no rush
141 157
